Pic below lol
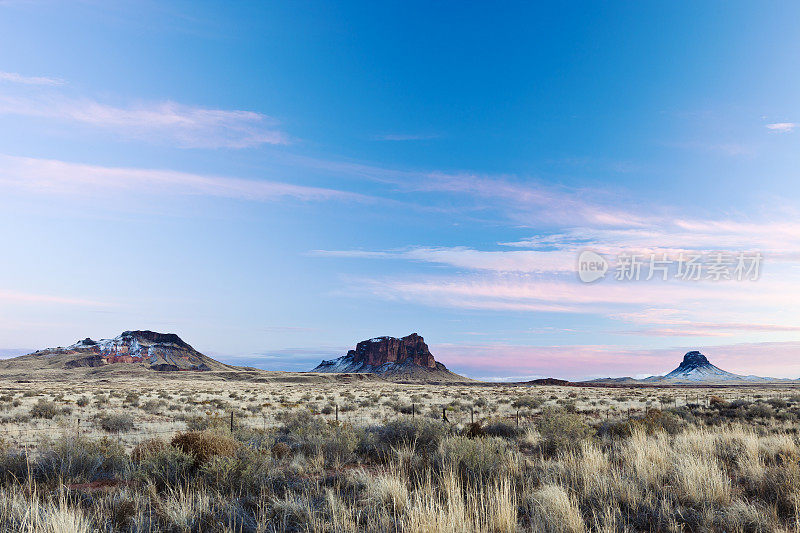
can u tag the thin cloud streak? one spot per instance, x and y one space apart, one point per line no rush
468 258
186 126
59 177
527 204
13 77
505 292
782 127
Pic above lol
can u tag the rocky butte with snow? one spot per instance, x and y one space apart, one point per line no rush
695 369
141 349
398 358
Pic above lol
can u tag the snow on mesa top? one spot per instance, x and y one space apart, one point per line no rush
147 349
406 358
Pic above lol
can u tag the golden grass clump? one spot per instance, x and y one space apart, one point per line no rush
203 445
147 448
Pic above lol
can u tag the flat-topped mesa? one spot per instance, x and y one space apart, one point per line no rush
405 358
136 348
382 350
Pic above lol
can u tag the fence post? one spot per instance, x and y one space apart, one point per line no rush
517 418
413 411
472 416
337 412
444 414
231 421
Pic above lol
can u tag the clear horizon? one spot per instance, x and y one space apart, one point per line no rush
277 182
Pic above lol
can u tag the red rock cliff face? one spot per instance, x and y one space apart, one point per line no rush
383 350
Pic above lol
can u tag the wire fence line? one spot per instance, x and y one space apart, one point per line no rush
24 435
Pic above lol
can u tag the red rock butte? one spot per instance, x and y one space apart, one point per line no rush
382 350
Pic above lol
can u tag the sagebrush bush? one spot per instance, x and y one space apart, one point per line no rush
475 460
498 428
247 471
115 422
652 422
203 445
147 448
310 435
529 402
424 435
561 430
80 459
165 468
44 409
340 443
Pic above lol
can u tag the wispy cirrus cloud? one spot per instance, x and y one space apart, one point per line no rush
556 253
526 202
782 127
672 236
535 293
469 258
13 77
531 202
183 125
60 177
685 323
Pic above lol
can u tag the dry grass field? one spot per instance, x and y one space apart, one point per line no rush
135 455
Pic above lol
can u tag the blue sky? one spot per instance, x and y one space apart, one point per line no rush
277 181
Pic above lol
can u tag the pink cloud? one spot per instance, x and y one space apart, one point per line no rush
60 177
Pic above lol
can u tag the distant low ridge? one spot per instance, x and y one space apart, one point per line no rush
140 349
695 369
406 358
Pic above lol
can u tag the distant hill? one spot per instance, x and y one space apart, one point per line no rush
131 350
695 369
406 358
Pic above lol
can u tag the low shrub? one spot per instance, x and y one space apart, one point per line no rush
115 422
423 435
473 430
167 467
147 448
561 430
760 410
502 429
474 460
203 445
80 459
247 471
528 402
44 409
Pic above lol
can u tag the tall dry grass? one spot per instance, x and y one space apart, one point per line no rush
561 473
